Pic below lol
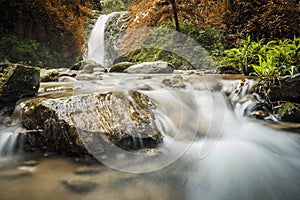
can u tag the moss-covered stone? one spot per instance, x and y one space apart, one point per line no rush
18 81
120 67
49 75
290 112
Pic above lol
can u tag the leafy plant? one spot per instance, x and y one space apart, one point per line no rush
275 58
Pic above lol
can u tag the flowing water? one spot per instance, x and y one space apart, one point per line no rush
96 49
9 134
210 151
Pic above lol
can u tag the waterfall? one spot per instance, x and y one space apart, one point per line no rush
9 133
96 45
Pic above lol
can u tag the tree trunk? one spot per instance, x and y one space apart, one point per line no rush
175 15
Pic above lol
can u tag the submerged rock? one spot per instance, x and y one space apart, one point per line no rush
81 125
18 81
80 186
157 67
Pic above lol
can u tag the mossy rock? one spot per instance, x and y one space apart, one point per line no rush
18 81
120 67
290 112
49 75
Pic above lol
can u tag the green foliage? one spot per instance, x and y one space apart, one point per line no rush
209 39
30 52
266 60
109 6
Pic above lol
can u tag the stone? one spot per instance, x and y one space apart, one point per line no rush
286 89
49 75
83 124
120 67
88 170
224 69
157 67
114 30
18 81
14 174
176 82
79 186
88 66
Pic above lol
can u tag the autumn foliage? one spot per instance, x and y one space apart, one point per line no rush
57 23
235 18
271 19
199 12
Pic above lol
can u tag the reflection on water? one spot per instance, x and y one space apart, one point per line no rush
57 178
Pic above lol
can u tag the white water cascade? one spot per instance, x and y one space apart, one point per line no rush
9 133
96 45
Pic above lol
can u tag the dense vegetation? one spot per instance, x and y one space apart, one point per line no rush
50 32
273 27
57 24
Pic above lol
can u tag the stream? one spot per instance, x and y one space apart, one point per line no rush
210 151
212 148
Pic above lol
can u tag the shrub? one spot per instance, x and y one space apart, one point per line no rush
30 52
266 60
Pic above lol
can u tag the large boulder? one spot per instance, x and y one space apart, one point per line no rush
157 67
17 81
78 124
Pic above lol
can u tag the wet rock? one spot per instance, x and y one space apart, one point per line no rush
287 89
80 186
228 70
49 75
115 27
18 81
158 67
15 174
88 66
88 170
286 126
83 124
120 67
176 82
290 112
31 163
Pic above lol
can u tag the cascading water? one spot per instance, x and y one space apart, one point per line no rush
9 134
96 45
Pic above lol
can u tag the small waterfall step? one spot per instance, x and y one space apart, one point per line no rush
9 134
